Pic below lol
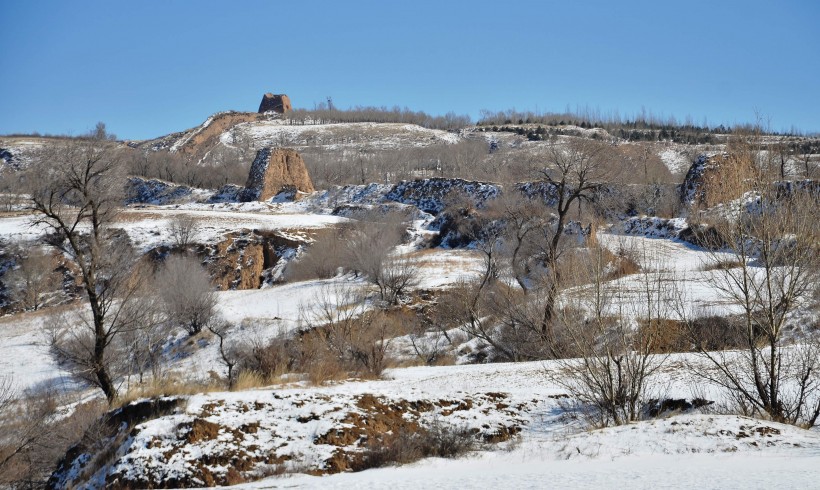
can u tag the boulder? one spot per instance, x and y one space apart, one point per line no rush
279 103
275 170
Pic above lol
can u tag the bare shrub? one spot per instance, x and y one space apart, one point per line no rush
183 230
396 278
403 445
614 359
370 250
338 337
715 332
430 337
721 265
323 258
35 279
357 338
228 353
187 293
143 347
36 433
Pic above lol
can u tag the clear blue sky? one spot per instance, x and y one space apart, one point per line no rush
147 68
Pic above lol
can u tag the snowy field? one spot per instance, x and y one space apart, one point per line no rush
24 354
338 136
150 227
677 266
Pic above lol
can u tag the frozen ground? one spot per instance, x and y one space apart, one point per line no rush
694 450
533 467
24 354
337 136
679 267
149 227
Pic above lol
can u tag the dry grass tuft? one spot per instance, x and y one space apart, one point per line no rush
170 385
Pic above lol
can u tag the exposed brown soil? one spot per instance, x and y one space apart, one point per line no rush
203 141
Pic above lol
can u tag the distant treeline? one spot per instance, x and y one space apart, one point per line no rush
643 126
37 134
594 118
327 114
684 136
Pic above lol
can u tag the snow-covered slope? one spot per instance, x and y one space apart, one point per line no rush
277 132
309 429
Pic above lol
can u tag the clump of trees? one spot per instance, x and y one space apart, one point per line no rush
34 281
36 433
227 165
341 334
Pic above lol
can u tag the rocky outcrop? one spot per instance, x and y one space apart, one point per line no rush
279 103
247 259
275 170
139 190
430 195
6 158
715 179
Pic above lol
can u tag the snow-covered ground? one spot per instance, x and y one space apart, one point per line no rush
20 228
150 227
675 159
25 357
530 466
277 132
684 451
677 267
699 450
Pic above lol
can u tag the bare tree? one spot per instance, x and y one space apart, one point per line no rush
143 346
73 335
524 219
227 352
574 171
75 188
371 249
187 293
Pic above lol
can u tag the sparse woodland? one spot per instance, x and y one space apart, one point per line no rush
530 232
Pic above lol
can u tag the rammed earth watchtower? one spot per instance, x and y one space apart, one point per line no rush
276 103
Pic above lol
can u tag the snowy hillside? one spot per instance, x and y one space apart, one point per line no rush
291 427
516 307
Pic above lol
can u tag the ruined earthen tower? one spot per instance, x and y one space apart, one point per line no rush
277 103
